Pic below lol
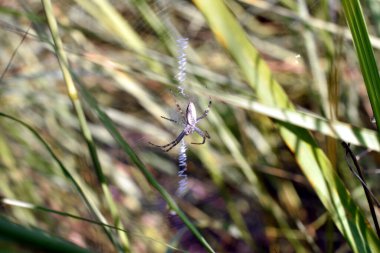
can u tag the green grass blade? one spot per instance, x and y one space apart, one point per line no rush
73 95
26 205
112 129
33 238
312 160
370 72
76 181
107 122
339 130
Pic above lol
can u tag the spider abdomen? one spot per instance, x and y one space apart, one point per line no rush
191 114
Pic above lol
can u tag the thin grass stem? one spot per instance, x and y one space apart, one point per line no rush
73 95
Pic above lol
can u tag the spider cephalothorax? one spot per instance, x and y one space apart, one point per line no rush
189 121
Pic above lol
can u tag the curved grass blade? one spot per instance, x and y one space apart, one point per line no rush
22 204
336 129
108 124
33 238
89 203
315 165
371 198
364 51
14 54
73 95
111 128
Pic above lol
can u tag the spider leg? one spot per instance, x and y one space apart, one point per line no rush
180 109
171 144
204 135
172 120
206 111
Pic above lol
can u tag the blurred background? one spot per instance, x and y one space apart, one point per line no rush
246 192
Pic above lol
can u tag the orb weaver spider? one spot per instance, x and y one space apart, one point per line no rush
189 121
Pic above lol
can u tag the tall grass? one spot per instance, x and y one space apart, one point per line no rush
91 81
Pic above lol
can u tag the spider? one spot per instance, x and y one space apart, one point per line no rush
189 121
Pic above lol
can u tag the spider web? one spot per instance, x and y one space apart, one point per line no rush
85 53
71 47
